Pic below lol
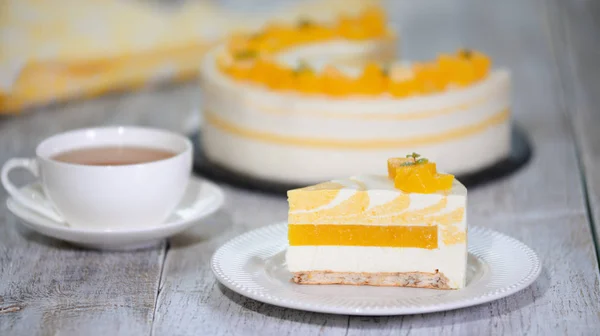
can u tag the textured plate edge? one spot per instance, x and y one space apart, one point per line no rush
523 283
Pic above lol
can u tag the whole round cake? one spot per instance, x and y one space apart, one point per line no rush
314 101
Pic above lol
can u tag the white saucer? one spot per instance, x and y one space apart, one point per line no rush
201 199
253 265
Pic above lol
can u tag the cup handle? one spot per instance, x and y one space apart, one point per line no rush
32 166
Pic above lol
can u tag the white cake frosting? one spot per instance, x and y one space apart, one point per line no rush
450 256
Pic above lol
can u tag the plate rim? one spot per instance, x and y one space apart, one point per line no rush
488 296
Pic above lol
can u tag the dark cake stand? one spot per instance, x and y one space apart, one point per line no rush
519 156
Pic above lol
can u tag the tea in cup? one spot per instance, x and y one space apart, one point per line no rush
107 178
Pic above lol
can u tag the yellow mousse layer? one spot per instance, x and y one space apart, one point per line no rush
249 57
364 235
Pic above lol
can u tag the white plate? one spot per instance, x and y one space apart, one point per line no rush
201 199
253 265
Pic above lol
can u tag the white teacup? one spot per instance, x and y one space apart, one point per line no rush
109 197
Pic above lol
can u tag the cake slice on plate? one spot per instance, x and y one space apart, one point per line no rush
406 229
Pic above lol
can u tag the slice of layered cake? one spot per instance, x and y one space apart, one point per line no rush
406 229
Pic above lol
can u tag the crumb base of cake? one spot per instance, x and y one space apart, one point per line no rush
435 280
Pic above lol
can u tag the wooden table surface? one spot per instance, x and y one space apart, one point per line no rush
48 287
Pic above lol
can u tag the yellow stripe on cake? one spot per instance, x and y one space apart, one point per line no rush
314 197
453 134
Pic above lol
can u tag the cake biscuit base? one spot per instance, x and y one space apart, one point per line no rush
435 280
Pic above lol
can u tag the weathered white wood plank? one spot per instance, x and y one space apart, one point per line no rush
542 205
51 288
576 24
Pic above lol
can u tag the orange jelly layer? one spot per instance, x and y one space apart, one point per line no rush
363 235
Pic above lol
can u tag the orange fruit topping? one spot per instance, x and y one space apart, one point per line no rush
395 163
247 62
335 82
372 81
413 175
307 81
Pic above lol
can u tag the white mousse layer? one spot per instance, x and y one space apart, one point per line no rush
450 260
